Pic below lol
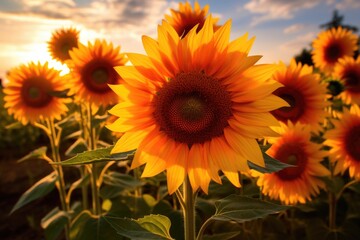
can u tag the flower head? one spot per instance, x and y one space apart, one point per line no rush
92 70
195 105
331 45
348 71
187 18
29 93
61 42
294 184
344 140
304 92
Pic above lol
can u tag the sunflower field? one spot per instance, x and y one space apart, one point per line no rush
192 140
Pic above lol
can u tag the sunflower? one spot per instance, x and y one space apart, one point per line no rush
61 42
92 70
294 184
348 71
29 93
186 18
195 105
304 92
330 46
344 140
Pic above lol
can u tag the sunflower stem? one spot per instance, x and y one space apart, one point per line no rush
203 227
93 173
189 210
332 202
338 196
54 142
83 170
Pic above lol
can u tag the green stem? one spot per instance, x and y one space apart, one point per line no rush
332 203
54 141
83 169
94 173
189 210
84 189
345 187
203 227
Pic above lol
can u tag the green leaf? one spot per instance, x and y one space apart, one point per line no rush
97 120
91 227
334 184
60 94
54 223
78 146
222 236
120 180
157 224
98 155
152 227
81 182
36 154
38 190
177 220
271 164
15 125
241 209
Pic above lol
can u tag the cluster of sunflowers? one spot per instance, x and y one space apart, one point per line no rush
197 111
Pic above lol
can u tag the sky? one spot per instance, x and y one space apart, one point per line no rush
282 27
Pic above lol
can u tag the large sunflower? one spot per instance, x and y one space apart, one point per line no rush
194 106
304 92
186 18
331 45
294 184
348 71
29 93
61 42
92 70
344 140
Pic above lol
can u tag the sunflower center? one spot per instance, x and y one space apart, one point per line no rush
65 48
352 143
293 154
296 102
35 93
100 76
352 81
97 74
184 30
192 108
333 52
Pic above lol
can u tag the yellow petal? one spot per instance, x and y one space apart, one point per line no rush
130 140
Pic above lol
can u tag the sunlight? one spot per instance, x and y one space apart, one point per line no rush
39 53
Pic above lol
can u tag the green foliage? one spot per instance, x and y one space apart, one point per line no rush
54 222
38 190
271 164
146 228
11 131
98 155
241 209
39 153
91 227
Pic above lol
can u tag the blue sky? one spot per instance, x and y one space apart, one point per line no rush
281 27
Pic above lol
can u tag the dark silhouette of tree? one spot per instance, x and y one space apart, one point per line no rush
337 21
304 57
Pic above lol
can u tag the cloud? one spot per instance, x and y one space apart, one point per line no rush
348 4
278 9
295 45
29 22
293 28
103 15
